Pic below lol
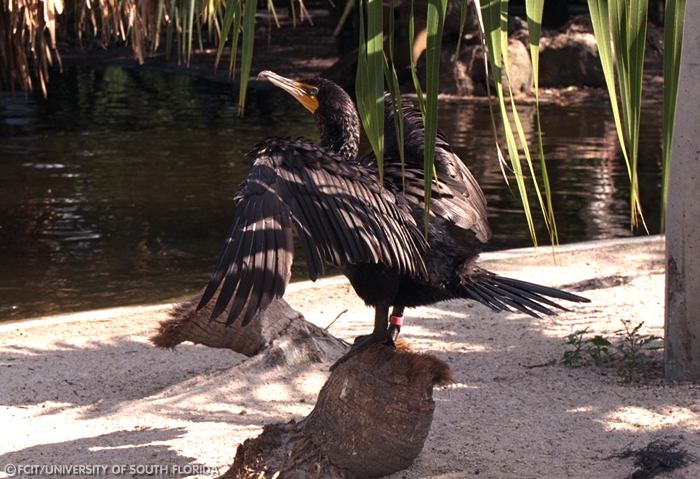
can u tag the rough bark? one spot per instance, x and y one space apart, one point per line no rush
280 332
371 419
682 335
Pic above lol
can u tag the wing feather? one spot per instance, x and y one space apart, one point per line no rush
456 195
220 269
380 247
240 281
340 212
357 242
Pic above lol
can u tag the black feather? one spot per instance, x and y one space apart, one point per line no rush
343 216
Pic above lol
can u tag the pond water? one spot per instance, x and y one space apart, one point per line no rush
117 188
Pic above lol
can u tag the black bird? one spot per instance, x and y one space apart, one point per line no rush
344 217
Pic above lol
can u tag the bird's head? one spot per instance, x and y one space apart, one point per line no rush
333 110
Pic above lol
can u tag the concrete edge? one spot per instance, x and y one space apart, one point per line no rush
571 247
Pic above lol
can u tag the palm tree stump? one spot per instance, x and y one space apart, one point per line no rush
371 419
280 333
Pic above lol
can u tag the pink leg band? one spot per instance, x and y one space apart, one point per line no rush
396 320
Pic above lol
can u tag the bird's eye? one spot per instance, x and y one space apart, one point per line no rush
313 91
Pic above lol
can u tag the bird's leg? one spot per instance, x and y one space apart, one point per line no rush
380 334
395 322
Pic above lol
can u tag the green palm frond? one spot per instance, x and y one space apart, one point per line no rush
370 77
673 40
620 30
535 9
494 25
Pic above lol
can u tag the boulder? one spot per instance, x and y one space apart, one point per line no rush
519 68
517 29
578 24
462 73
570 59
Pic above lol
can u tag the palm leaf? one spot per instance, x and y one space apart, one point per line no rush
673 40
231 19
494 14
370 78
392 81
463 8
620 31
349 6
247 51
414 70
534 9
434 24
188 31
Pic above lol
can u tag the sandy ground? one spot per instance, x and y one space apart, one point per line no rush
89 389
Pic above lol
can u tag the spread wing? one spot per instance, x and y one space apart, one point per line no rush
456 196
340 213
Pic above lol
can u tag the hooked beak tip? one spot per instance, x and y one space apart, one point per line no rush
303 93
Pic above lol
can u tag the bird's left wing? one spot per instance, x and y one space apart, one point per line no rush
456 195
341 215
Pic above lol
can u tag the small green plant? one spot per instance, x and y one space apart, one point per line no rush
596 349
633 351
574 357
599 349
629 354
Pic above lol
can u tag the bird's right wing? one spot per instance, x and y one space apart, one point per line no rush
341 215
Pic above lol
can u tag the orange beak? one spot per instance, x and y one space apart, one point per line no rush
303 93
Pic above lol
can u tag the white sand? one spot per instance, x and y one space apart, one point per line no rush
89 389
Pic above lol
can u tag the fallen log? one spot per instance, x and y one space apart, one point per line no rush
279 332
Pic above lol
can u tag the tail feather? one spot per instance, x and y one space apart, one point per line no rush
491 300
507 294
533 296
520 301
545 290
474 294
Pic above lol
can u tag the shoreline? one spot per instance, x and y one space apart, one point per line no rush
96 392
490 257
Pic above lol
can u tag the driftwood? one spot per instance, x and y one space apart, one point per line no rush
371 419
280 333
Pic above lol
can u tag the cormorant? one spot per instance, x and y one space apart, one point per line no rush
344 217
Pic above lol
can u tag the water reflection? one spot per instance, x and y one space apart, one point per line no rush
117 189
587 173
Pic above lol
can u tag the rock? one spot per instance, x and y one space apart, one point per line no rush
570 59
517 29
455 70
463 74
578 24
519 66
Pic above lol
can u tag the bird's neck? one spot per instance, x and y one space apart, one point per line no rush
342 135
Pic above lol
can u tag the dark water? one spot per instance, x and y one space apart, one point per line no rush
117 188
